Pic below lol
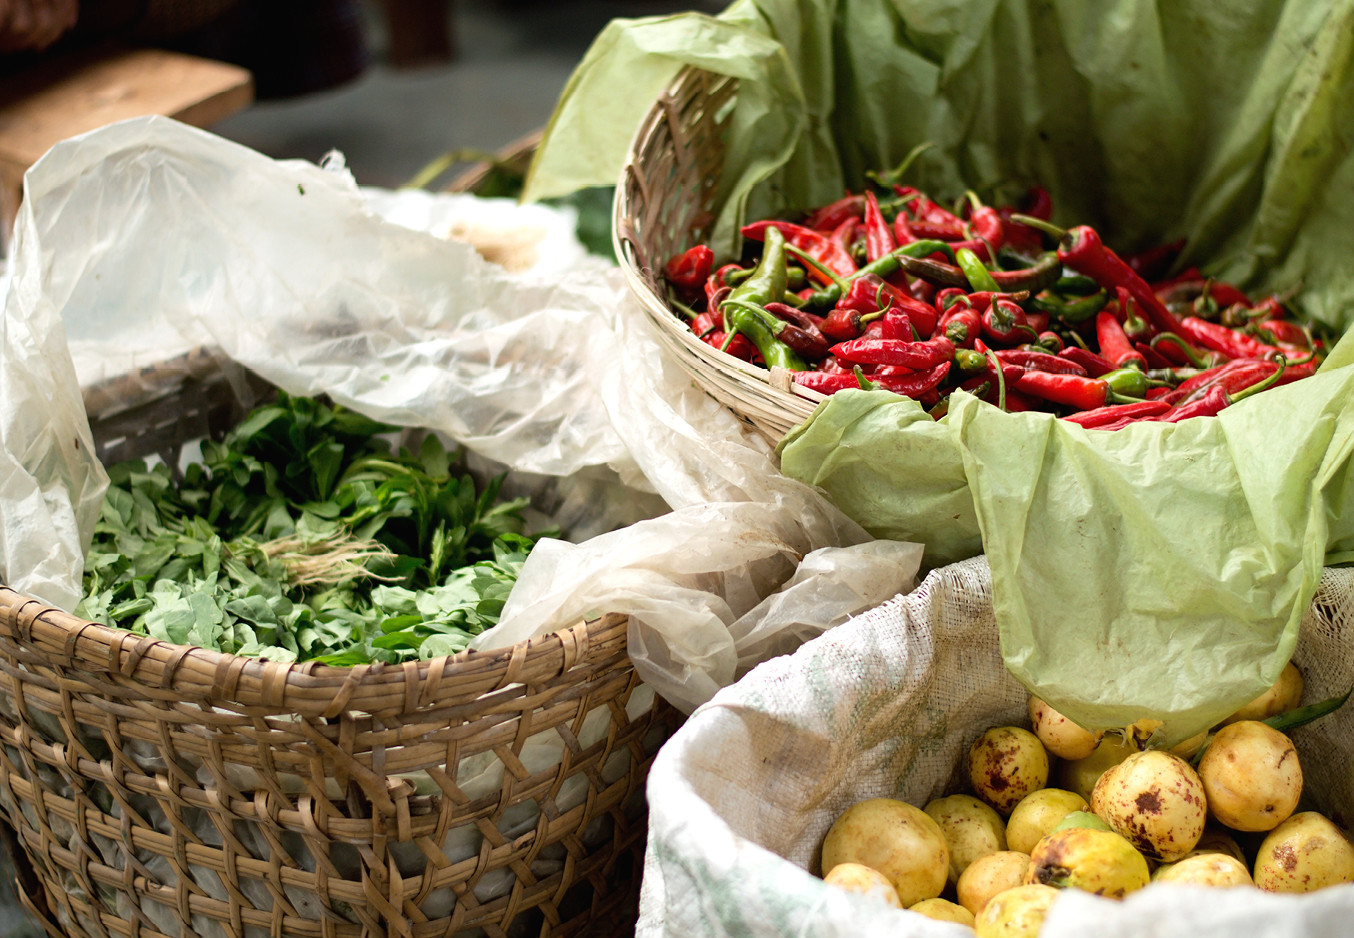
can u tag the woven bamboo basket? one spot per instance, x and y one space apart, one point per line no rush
664 204
155 789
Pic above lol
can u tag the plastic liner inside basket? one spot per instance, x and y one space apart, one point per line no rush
186 241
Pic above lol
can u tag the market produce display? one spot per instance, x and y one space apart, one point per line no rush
1219 810
301 535
887 288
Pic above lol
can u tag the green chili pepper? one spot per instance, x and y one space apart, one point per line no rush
1071 312
979 277
765 285
1127 382
742 320
768 279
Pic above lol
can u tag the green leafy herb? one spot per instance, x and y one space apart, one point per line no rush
302 536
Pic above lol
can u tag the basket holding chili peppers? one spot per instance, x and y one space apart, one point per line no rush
890 289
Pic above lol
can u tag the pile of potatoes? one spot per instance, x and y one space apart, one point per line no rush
1119 816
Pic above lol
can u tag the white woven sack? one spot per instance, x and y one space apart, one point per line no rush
886 705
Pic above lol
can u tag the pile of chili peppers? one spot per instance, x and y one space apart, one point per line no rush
890 289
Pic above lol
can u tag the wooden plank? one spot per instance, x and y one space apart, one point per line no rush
73 94
68 96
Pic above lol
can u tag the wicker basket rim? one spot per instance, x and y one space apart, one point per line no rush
306 688
769 398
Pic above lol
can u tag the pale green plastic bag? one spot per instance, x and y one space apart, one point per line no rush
1158 571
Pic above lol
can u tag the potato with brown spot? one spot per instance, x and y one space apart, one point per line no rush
1251 776
1156 801
1305 853
971 827
895 838
1005 764
1060 736
1092 860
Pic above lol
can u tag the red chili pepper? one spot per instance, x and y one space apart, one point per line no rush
1171 396
1285 332
1117 415
878 237
961 325
1095 365
915 355
914 385
894 325
1219 338
1152 357
844 235
833 214
1050 342
845 323
1078 392
814 243
709 328
1040 361
1204 378
826 382
799 317
1223 393
1081 249
926 212
802 331
714 284
688 271
1115 346
1005 322
989 232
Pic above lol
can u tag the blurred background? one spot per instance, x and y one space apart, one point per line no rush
444 75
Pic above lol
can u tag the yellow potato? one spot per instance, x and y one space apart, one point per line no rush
1037 814
1016 913
943 910
971 827
895 838
1251 776
1080 775
863 880
1205 869
1282 696
1060 736
989 875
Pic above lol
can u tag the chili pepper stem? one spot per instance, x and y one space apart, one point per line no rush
1001 378
1259 386
891 177
837 281
1046 227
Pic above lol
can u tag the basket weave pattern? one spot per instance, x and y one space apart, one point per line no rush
664 205
159 789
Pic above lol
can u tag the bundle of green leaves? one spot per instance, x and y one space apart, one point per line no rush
302 536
